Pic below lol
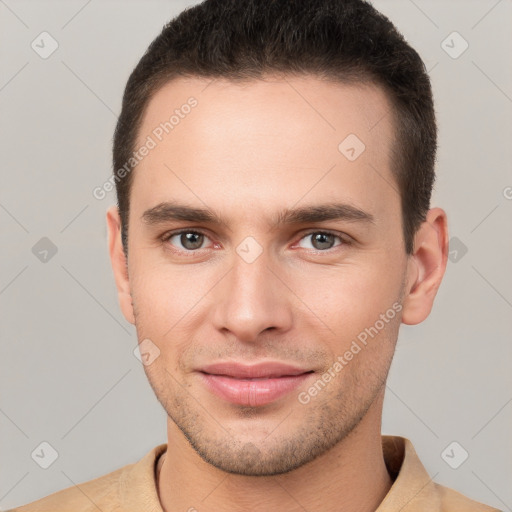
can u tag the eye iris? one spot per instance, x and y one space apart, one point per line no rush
322 240
191 240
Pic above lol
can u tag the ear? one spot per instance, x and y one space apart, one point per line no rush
426 267
119 263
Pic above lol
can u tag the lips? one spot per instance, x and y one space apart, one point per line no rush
252 385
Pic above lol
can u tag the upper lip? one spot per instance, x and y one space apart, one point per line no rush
245 371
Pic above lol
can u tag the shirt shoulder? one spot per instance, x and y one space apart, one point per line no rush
127 489
453 501
413 489
101 492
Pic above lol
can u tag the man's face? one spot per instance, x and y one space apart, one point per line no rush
251 289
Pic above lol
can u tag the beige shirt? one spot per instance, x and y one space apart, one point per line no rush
132 488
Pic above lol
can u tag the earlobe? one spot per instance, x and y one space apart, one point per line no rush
426 267
119 263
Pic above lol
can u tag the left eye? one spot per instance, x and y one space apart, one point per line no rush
320 240
189 240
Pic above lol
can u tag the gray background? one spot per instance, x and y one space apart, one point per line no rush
68 375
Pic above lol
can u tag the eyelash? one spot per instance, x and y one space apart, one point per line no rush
345 240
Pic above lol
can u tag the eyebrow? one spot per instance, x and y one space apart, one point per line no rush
168 211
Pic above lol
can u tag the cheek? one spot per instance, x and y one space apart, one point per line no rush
169 308
350 293
165 294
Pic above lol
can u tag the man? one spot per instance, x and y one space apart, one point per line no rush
274 162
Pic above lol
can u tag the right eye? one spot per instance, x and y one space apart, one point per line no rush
186 240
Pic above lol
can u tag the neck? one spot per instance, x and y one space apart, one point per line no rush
351 476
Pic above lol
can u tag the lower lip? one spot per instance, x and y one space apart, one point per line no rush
252 393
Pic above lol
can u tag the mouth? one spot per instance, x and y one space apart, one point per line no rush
252 385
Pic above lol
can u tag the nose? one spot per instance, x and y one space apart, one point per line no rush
253 298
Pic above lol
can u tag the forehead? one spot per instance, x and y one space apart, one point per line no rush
330 107
265 141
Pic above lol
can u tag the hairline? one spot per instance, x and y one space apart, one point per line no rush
354 77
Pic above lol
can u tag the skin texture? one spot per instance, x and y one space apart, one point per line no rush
247 152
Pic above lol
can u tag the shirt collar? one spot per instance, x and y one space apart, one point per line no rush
412 485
